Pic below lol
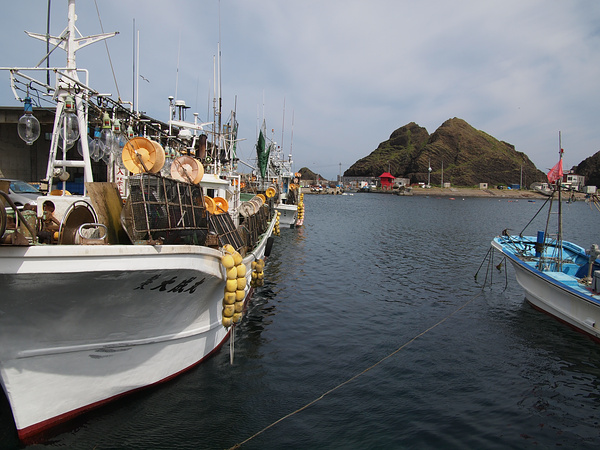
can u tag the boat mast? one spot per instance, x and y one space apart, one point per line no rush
68 85
282 129
559 188
292 137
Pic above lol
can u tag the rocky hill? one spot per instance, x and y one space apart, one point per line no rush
590 169
308 175
468 156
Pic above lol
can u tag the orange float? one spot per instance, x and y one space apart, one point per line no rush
143 155
221 205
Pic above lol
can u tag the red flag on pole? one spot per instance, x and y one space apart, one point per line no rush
556 172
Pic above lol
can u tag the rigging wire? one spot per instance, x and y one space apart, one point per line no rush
48 45
322 396
539 211
108 53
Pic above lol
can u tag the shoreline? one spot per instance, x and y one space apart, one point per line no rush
461 192
480 193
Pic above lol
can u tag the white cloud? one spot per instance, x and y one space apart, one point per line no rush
353 71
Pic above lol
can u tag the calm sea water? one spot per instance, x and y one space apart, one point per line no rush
366 276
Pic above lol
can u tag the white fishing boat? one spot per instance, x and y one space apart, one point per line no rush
146 274
558 277
275 172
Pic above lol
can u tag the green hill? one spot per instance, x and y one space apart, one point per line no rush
590 169
308 175
468 157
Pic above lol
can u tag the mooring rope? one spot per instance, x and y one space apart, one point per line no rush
322 396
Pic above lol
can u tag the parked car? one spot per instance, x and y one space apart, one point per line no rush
21 192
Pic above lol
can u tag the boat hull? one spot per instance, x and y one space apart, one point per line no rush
557 294
83 325
289 215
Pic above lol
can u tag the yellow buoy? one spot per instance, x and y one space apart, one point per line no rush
227 261
232 273
231 285
209 204
229 298
241 283
228 310
227 321
240 295
241 270
237 317
239 307
237 258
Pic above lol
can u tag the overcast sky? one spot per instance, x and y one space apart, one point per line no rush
349 71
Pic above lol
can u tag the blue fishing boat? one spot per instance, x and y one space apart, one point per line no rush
559 277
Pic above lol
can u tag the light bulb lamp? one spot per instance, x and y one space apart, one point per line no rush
106 138
96 150
69 130
28 126
106 135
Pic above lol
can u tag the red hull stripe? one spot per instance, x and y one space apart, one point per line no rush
579 330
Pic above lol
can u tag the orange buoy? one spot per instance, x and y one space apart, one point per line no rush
209 204
221 205
57 192
143 155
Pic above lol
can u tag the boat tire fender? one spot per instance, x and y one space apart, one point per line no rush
269 245
3 220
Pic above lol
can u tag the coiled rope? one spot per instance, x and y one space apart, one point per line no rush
322 396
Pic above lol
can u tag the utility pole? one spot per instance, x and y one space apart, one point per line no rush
429 174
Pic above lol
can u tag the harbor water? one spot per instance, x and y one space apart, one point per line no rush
371 332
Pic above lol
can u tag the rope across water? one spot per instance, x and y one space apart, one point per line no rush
322 396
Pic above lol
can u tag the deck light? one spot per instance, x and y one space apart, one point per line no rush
69 130
106 135
96 148
28 126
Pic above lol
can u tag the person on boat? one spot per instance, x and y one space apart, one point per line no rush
49 224
29 214
15 235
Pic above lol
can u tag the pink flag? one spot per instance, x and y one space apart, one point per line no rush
556 172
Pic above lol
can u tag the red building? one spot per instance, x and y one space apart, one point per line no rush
387 180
